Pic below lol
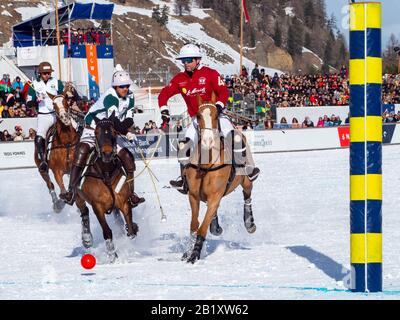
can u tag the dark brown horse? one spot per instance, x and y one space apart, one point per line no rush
209 180
61 141
104 187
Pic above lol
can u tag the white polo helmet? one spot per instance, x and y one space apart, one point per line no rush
189 51
121 78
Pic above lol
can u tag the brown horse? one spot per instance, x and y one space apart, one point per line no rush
103 187
209 181
61 141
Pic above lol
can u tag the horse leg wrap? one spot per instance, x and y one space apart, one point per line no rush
215 228
111 252
87 238
190 246
53 196
248 216
196 249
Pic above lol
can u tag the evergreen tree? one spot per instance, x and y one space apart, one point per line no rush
164 15
332 23
309 14
307 41
327 56
182 6
390 57
295 40
278 35
252 38
156 13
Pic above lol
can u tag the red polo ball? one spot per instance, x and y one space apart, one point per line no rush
88 261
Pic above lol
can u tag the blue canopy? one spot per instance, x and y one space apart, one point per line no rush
27 33
92 11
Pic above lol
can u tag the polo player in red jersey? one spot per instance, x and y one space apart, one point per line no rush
197 80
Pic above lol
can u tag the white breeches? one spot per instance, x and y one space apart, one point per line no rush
191 131
45 121
89 138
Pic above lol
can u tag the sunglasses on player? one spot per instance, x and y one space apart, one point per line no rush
187 60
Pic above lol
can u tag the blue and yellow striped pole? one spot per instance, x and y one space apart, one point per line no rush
365 147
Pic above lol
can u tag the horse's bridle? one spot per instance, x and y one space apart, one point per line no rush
97 146
199 133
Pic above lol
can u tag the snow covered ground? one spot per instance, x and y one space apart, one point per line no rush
299 251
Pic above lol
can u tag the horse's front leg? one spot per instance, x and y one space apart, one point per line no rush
131 227
212 206
87 237
194 224
100 210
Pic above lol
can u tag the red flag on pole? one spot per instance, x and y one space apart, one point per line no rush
246 13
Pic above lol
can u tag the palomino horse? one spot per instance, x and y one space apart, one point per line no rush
103 186
63 138
209 181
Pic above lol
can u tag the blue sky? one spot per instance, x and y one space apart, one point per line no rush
390 16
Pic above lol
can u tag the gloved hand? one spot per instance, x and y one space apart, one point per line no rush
220 107
165 115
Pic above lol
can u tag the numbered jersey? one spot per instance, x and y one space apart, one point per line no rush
203 82
107 104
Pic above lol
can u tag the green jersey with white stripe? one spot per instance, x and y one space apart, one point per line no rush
107 103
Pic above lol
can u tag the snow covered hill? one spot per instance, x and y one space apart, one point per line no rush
143 44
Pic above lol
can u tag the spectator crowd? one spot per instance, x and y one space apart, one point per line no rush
96 36
13 95
280 90
304 90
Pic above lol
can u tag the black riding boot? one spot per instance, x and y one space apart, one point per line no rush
128 162
183 157
80 158
180 184
40 145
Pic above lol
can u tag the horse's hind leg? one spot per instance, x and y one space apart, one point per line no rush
107 233
58 205
247 211
87 237
131 227
50 186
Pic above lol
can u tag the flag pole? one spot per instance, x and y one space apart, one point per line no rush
241 37
58 40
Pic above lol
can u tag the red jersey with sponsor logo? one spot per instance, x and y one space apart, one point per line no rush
203 82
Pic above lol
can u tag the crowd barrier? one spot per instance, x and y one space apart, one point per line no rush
315 112
20 154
